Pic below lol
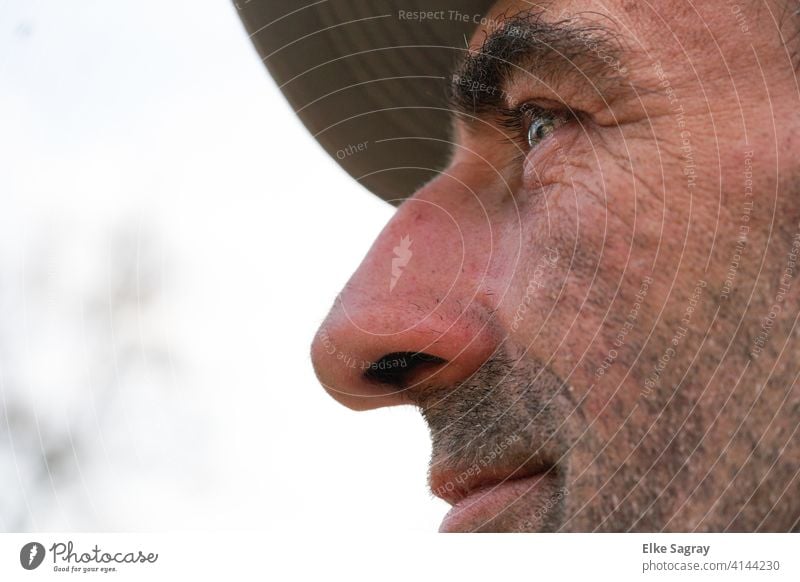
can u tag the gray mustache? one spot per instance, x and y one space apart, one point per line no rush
508 412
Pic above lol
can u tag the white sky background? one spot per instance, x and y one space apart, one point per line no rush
170 238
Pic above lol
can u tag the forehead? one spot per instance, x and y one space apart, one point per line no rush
653 30
717 54
631 14
553 11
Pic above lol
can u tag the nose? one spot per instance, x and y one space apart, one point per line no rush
416 314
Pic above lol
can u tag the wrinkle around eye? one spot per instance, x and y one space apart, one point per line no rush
545 164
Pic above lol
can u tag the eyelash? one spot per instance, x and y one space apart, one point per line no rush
518 120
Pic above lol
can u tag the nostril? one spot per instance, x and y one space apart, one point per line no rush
398 368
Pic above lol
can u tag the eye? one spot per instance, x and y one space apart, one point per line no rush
541 123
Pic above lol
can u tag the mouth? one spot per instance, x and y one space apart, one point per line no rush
493 498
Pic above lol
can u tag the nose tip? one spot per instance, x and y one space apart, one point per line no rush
364 370
417 313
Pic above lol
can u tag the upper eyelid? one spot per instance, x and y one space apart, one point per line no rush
517 119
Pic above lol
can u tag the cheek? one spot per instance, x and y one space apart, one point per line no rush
567 299
579 196
590 216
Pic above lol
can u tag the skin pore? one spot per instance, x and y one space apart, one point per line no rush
602 325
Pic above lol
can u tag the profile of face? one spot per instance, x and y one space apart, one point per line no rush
595 304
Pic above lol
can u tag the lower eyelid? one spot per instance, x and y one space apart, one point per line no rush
545 163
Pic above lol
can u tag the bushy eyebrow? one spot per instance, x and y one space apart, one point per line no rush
553 52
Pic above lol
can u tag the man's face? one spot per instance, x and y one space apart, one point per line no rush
594 304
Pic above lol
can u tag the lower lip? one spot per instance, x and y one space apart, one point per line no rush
479 508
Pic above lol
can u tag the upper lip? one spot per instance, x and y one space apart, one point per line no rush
455 483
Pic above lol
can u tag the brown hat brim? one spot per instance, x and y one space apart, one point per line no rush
369 79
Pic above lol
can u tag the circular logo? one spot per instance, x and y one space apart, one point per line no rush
31 555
